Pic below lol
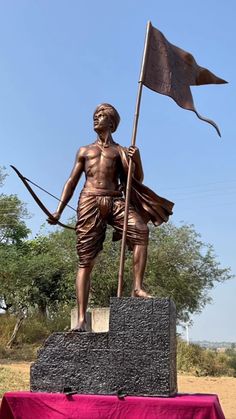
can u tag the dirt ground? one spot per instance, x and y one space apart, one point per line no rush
15 376
224 387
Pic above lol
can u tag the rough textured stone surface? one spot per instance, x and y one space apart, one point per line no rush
137 356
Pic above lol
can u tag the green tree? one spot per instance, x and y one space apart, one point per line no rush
203 362
50 268
13 233
180 266
40 274
13 212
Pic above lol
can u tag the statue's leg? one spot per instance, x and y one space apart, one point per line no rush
90 229
137 239
139 264
82 295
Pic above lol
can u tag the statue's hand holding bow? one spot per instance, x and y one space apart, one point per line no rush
54 219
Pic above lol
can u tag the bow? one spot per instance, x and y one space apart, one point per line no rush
40 204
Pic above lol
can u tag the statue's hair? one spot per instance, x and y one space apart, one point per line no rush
111 112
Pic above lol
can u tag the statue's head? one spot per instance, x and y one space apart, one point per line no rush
111 112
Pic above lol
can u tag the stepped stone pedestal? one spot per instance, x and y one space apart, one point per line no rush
136 357
97 319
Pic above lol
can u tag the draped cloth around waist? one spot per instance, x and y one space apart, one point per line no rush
95 211
101 192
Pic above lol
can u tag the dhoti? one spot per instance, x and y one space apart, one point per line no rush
97 209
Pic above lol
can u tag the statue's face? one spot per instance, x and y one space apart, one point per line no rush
101 121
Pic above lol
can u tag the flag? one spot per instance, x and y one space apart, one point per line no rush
171 71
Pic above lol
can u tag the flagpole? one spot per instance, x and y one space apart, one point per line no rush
130 169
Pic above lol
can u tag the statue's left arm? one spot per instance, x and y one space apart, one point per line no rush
134 154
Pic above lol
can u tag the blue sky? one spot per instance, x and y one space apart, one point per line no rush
59 59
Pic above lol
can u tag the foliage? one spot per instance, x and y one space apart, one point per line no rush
7 323
47 267
13 233
21 350
12 227
38 276
12 215
182 267
204 362
32 334
231 353
189 357
40 273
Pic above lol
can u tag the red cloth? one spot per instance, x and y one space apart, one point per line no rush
26 405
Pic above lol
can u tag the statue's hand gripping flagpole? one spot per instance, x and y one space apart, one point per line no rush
39 202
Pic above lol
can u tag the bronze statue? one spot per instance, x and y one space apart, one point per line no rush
113 192
102 202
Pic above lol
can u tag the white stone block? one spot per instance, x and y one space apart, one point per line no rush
97 319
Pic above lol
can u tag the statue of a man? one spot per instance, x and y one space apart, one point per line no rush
102 202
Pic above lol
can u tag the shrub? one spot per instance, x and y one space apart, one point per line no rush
188 357
33 330
202 362
7 324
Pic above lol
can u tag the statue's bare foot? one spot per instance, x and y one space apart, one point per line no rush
80 327
139 292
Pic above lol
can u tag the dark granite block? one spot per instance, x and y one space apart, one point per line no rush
137 356
130 340
130 313
163 311
160 342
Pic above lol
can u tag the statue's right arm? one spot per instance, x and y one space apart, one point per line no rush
70 184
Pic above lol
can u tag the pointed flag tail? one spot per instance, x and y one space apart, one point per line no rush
209 122
171 71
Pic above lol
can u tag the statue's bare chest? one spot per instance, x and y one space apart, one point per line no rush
102 157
